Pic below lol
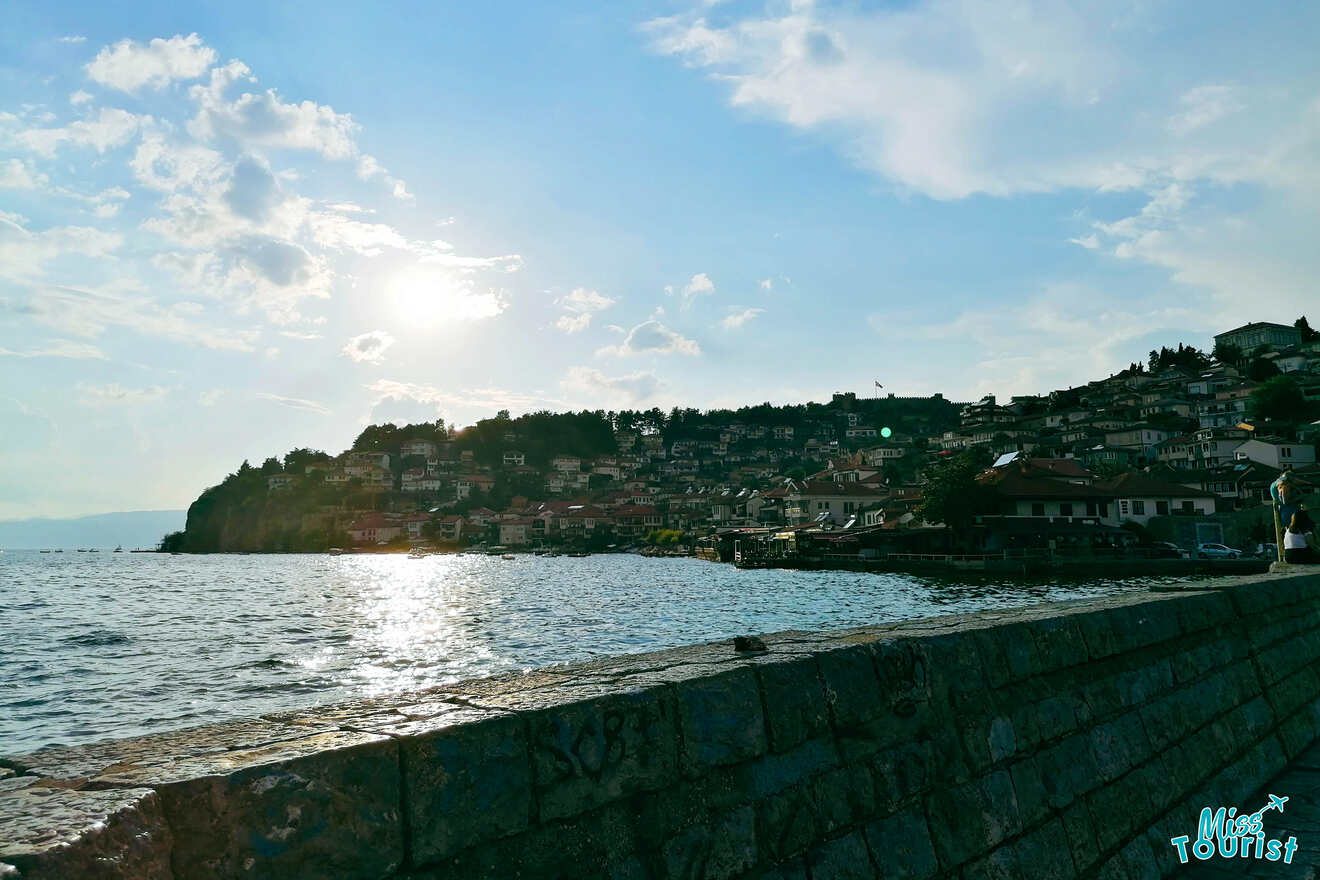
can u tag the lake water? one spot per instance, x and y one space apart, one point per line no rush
99 646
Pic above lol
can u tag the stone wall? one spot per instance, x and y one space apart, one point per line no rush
1065 740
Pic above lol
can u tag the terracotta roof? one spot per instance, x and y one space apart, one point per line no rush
1137 484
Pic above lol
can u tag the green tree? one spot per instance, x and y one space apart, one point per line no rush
1279 398
1262 369
1227 353
953 496
1308 335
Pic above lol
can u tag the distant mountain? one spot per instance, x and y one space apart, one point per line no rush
130 530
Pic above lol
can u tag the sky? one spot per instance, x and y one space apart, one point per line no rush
231 230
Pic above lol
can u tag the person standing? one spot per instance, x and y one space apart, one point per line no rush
1300 544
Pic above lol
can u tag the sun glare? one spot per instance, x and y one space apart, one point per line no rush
430 298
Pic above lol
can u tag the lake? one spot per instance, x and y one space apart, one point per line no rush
100 646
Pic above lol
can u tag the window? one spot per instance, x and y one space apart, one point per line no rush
1187 505
1123 507
1139 508
1065 509
1161 508
1038 510
1285 452
1090 508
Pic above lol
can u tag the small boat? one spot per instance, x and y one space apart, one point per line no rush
417 554
43 551
336 551
119 549
508 556
578 554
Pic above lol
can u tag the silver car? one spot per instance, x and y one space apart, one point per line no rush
1218 551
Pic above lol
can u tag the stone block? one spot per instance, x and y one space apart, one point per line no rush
1059 642
1080 831
589 753
56 833
469 780
794 701
725 846
720 720
903 772
786 823
973 818
1067 770
325 805
901 847
852 688
844 858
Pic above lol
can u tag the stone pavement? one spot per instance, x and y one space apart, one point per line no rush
1300 783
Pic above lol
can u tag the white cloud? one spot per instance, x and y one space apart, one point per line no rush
652 337
581 304
169 167
633 387
293 402
115 394
75 38
60 348
1204 105
699 284
573 323
24 254
583 300
17 174
431 401
128 66
368 347
210 398
80 97
264 120
89 312
110 128
737 319
369 168
950 98
767 284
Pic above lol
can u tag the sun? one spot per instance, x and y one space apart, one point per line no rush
432 297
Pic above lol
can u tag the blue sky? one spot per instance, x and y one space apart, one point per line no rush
232 230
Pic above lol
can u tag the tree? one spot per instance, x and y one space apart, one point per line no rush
271 466
1227 353
1262 369
953 496
1308 335
1279 398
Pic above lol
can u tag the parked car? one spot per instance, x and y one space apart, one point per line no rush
1167 550
1267 551
1218 551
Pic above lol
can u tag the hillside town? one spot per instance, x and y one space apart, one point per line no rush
1162 449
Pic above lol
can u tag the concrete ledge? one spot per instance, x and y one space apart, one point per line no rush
1055 740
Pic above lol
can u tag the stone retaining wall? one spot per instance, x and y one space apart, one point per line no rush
1066 740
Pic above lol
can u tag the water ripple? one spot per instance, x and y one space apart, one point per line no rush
126 644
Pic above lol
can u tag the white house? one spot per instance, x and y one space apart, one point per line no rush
566 463
514 458
514 532
806 500
423 448
1279 454
1138 497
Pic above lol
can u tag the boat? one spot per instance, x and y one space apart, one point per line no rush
43 551
119 549
578 553
508 556
417 553
336 551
